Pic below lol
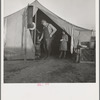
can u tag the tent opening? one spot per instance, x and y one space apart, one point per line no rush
56 37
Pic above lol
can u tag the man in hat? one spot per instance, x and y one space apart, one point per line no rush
48 32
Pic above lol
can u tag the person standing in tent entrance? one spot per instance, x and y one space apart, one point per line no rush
63 44
48 32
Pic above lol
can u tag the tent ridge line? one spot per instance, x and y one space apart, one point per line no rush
18 10
61 18
36 1
15 12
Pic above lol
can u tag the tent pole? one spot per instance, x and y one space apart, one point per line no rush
22 30
35 30
25 29
32 31
25 43
71 49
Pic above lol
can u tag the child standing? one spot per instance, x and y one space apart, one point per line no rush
63 45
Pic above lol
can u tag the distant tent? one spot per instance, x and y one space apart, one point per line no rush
18 42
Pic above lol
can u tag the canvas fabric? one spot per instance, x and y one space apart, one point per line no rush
15 32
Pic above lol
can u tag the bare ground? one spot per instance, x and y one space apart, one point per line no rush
51 70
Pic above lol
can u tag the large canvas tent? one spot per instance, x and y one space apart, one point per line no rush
18 42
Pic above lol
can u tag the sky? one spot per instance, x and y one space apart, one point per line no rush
77 12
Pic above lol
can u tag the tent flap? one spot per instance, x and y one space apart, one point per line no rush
18 38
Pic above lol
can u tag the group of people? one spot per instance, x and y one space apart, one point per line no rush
46 37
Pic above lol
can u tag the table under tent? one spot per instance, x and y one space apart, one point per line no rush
20 44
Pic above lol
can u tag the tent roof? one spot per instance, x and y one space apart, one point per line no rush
65 25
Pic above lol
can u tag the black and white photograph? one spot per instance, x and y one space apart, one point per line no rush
49 41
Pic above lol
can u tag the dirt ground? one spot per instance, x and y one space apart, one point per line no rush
50 70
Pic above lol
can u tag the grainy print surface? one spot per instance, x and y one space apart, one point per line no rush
51 70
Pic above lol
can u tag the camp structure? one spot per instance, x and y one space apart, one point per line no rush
20 44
